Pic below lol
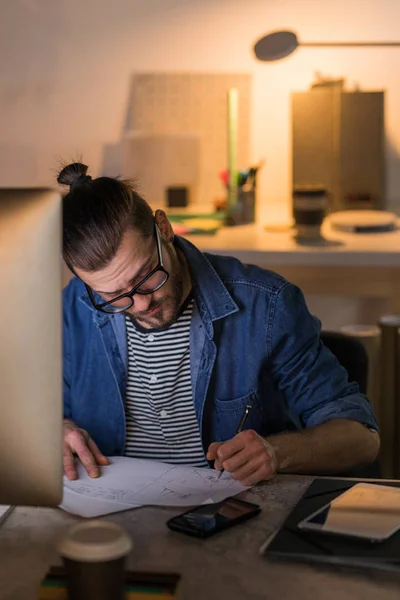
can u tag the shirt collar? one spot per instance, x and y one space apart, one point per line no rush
208 286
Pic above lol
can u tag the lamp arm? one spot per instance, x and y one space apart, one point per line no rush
348 44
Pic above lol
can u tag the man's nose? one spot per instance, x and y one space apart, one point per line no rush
142 303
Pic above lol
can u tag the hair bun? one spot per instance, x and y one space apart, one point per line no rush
73 175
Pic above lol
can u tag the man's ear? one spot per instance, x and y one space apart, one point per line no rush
164 226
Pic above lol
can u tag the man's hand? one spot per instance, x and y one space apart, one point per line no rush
77 441
248 457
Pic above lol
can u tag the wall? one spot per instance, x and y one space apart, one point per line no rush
66 64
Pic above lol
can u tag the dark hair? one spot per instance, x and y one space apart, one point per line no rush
96 214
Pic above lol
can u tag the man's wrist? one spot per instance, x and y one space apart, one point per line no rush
272 451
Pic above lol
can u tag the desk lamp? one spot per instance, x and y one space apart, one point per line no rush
278 44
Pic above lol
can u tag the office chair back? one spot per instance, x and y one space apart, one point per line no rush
352 355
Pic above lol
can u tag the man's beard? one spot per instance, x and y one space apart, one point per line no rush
170 304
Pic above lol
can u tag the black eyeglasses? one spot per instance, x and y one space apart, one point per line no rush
151 283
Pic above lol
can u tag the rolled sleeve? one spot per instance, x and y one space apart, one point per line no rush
314 384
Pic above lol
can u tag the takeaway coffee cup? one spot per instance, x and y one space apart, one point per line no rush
94 554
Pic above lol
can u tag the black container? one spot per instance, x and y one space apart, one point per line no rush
310 206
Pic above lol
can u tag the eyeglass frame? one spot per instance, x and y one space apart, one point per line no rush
134 290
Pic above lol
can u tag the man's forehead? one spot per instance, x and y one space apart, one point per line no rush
134 253
135 243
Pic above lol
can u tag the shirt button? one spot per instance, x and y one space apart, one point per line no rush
151 338
153 379
163 414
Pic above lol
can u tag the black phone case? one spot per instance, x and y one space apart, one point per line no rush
174 524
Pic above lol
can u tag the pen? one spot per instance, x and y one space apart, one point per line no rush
243 419
242 423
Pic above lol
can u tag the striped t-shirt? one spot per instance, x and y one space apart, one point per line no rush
161 422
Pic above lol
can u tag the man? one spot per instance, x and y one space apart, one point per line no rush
165 347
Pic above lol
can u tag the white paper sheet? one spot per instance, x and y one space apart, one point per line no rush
89 507
129 482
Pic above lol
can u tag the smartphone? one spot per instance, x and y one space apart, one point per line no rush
366 511
208 519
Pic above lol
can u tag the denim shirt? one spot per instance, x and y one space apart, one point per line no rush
252 341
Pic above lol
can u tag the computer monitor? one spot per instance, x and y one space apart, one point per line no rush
30 347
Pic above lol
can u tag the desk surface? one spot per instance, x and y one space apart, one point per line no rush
226 566
254 244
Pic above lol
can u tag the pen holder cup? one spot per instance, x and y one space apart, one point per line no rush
243 211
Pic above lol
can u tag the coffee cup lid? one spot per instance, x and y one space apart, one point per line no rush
95 541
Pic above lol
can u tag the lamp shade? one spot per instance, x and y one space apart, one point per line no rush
276 45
